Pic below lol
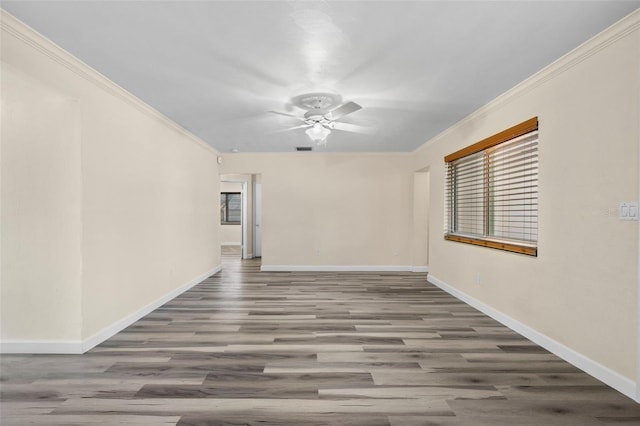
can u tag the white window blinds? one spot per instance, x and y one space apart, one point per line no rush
491 191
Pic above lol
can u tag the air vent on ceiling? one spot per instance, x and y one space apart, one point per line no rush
304 148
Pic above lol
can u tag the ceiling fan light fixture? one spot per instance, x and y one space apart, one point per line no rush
318 133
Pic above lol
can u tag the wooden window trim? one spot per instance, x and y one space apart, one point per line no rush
514 248
506 135
518 130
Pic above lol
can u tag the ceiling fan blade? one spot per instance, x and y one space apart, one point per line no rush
302 126
297 117
354 128
344 109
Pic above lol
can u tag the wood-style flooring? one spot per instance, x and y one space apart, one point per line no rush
254 348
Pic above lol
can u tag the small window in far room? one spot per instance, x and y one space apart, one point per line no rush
491 191
230 208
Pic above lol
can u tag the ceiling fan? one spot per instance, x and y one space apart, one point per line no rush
323 110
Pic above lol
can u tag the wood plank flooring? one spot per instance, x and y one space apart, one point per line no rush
247 347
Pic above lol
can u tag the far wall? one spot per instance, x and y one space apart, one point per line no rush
332 209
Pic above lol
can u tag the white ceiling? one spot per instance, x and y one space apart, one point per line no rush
416 67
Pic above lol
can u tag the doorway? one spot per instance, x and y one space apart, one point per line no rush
241 215
231 218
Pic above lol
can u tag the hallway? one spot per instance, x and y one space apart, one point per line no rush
250 347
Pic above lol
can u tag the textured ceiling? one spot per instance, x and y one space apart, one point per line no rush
217 67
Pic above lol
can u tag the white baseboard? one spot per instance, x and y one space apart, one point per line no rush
335 268
125 322
79 347
595 369
41 347
419 269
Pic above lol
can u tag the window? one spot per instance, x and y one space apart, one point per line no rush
230 208
491 191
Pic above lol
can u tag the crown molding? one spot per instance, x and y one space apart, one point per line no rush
10 25
619 30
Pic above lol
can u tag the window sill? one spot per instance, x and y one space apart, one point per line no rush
499 245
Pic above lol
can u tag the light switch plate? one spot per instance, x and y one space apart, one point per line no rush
628 211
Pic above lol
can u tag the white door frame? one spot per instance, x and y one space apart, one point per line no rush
245 216
257 224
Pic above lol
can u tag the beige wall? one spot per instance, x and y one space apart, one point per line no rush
41 209
581 290
231 234
150 219
420 234
106 205
332 209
